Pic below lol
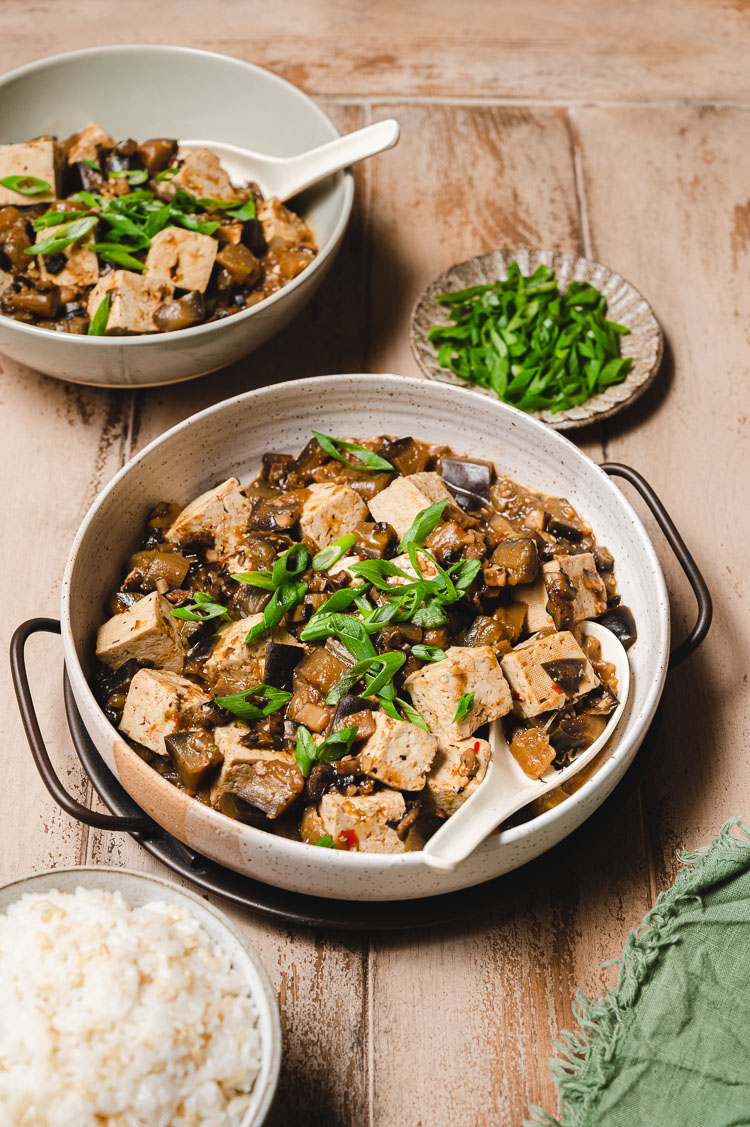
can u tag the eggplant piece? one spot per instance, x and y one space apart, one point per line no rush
470 480
362 721
123 600
568 733
350 706
275 468
277 513
180 313
157 154
406 454
321 777
519 557
561 596
622 624
195 757
123 157
532 750
397 636
321 669
253 237
485 631
564 521
147 568
601 701
374 539
272 786
566 672
241 264
281 662
42 303
80 178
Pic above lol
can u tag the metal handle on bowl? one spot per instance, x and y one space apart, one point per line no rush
36 741
684 558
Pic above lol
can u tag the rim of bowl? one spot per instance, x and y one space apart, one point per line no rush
266 1000
142 340
382 862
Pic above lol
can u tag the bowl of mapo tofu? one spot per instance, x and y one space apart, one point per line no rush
128 259
306 611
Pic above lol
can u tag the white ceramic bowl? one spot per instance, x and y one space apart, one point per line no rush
153 91
138 888
229 439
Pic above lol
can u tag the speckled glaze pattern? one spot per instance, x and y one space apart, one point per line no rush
139 888
229 439
155 91
624 304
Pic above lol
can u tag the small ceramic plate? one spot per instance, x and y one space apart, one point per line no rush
624 304
139 888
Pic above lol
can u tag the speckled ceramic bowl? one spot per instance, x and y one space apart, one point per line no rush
140 888
161 91
624 305
229 439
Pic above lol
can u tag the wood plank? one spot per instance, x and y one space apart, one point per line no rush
668 204
485 49
463 1019
60 443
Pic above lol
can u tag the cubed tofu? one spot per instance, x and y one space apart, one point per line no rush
31 158
330 510
183 259
591 594
82 267
402 501
436 689
134 300
233 665
159 703
533 689
363 821
534 597
86 144
202 175
457 770
397 753
281 227
146 632
221 513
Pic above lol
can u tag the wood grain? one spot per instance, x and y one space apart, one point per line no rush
572 51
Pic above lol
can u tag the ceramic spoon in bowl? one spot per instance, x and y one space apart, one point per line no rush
284 177
506 788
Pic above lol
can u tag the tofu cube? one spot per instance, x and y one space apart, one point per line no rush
182 258
397 753
591 594
221 513
281 227
86 144
159 703
402 501
146 632
368 822
232 665
457 770
330 510
436 689
201 174
82 268
31 158
533 688
134 300
534 597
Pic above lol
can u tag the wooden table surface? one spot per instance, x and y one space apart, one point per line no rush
615 130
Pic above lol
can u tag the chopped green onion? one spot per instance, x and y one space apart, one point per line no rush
255 579
132 175
348 629
98 324
239 705
234 210
378 572
327 557
168 173
364 459
412 715
202 608
326 841
285 597
55 218
67 234
386 665
338 601
113 252
92 164
291 563
307 750
465 705
428 653
26 185
334 747
425 522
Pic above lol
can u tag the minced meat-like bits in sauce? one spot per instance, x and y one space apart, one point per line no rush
320 652
114 238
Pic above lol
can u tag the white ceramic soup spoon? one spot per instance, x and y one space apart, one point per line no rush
506 788
284 177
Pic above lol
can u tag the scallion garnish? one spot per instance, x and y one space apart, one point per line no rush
239 705
202 608
98 325
66 234
26 185
334 747
132 175
428 653
118 255
425 522
285 597
327 557
326 841
364 459
168 173
535 347
465 705
383 668
56 218
92 165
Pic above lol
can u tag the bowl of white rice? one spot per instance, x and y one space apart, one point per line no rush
126 1001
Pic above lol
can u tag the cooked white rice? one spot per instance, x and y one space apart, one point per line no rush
112 1016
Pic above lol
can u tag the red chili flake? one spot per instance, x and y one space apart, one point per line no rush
515 695
348 838
476 745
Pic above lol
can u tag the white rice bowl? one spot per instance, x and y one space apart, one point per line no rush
112 1016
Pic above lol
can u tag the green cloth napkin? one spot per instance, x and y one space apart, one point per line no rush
670 1046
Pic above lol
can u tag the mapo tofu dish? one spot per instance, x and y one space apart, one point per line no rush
320 652
115 238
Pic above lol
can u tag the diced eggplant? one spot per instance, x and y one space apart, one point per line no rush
275 468
362 721
350 706
622 624
277 513
532 751
566 672
470 480
272 786
519 557
561 596
568 733
42 303
374 538
281 661
564 521
80 177
249 600
602 701
147 568
157 154
180 312
485 631
123 157
241 263
397 636
235 807
603 558
253 238
406 454
195 757
318 781
123 600
321 669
